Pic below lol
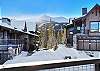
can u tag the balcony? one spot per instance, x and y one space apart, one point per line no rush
6 43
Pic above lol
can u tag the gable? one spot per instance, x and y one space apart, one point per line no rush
94 13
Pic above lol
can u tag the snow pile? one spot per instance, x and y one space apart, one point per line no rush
22 54
6 25
62 51
83 54
46 55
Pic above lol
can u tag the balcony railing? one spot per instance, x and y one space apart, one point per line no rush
55 65
10 41
5 43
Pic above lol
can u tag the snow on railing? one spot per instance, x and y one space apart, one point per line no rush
54 64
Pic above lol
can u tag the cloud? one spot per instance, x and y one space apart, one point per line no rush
24 17
29 17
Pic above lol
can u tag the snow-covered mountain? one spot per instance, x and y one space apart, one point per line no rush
55 19
46 19
60 19
31 21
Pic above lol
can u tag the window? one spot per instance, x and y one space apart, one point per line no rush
95 26
78 28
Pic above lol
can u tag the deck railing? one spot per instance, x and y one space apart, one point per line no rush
55 65
10 41
90 43
5 43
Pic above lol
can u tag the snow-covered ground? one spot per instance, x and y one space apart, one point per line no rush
50 55
46 55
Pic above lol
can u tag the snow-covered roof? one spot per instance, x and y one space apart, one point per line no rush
31 34
18 26
6 25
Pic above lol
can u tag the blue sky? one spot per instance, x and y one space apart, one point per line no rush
66 8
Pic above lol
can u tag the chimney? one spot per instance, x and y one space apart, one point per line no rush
6 20
84 11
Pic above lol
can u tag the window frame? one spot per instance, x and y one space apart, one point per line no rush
94 29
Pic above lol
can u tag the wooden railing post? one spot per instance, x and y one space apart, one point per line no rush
97 67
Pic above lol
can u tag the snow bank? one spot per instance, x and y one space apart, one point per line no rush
63 51
46 55
22 54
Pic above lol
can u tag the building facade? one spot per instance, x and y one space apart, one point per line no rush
89 29
13 41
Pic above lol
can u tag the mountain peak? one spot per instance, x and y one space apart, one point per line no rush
46 18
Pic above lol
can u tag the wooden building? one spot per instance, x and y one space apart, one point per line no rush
89 29
15 39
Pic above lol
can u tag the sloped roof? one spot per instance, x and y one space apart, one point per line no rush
12 27
97 5
83 17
